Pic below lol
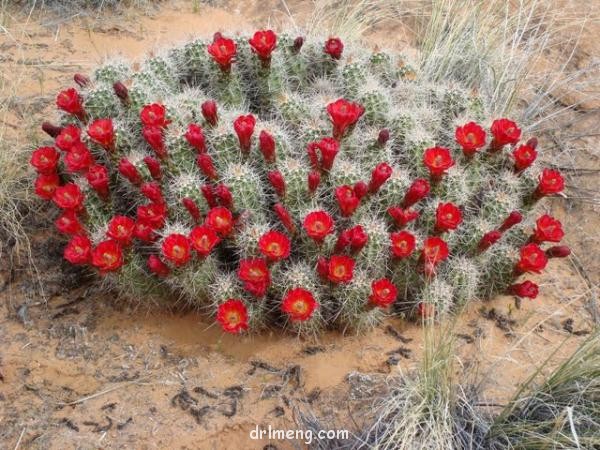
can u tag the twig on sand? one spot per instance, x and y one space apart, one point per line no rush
20 438
98 394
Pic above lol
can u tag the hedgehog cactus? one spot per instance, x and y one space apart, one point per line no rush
305 184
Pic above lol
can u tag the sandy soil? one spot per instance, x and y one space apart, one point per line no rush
80 370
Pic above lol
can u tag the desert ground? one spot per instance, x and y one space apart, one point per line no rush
80 369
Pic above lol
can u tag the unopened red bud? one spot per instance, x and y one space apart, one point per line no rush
298 43
278 182
314 178
154 167
489 239
224 194
360 189
284 217
192 208
558 251
81 79
267 146
532 142
209 112
217 36
205 163
122 92
513 219
322 267
50 129
209 195
384 136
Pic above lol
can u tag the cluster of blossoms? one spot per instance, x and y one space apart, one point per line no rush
270 190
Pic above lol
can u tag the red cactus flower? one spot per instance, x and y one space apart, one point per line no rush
318 224
263 43
524 156
343 240
154 214
278 182
50 129
68 196
144 231
45 160
489 239
153 166
209 112
347 200
81 79
155 139
121 228
79 158
334 47
68 223
380 175
514 218
285 217
402 216
558 251
107 256
383 137
244 127
403 244
447 217
525 289
223 51
46 185
191 207
204 239
232 315
266 144
206 166
68 136
78 250
383 293
471 137
329 148
274 245
129 171
255 275
152 191
195 137
208 192
177 249
360 189
220 219
71 102
547 229
505 132
225 196
311 151
154 115
343 114
340 269
550 182
157 267
299 304
438 160
101 131
418 190
314 179
533 259
435 250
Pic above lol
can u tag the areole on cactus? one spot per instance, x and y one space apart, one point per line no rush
271 180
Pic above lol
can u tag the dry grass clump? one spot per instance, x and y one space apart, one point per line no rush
561 411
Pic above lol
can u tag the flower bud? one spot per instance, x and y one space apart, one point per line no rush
383 137
558 251
122 92
50 129
209 112
81 79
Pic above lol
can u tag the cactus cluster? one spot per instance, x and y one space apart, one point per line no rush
273 180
